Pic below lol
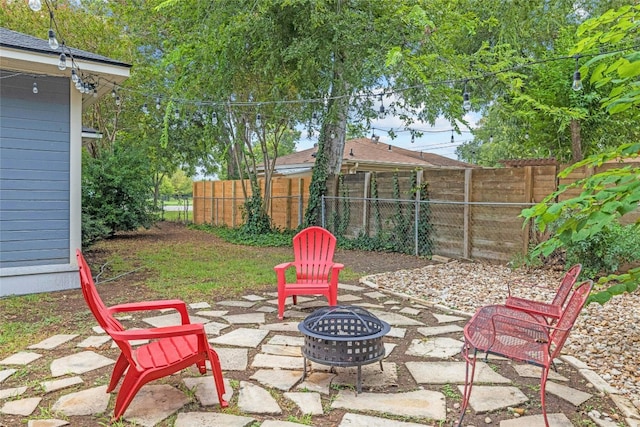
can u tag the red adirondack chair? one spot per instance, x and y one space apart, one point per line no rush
172 348
521 336
316 273
551 311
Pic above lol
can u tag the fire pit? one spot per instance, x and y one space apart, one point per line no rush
343 336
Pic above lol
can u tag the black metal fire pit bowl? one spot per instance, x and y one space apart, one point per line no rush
343 336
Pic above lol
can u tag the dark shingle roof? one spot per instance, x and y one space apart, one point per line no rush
20 41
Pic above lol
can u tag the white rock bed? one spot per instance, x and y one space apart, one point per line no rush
607 337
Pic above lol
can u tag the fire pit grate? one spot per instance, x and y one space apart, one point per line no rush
343 336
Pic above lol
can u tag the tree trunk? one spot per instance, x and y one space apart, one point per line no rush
576 141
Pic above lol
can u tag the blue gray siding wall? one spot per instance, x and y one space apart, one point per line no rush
34 171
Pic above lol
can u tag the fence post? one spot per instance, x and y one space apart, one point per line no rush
528 193
416 221
322 209
365 205
467 212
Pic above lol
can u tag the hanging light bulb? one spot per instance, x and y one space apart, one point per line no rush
78 84
118 101
74 76
214 118
145 110
53 41
526 135
258 120
62 64
35 88
491 138
95 92
176 114
35 5
452 139
577 78
113 92
413 137
158 103
314 116
381 105
466 102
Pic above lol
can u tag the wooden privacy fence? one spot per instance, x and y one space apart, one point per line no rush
475 212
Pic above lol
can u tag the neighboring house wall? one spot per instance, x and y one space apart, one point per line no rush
35 191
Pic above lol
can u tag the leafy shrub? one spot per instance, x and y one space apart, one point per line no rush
116 193
605 252
241 236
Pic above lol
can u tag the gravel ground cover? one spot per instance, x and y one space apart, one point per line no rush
605 337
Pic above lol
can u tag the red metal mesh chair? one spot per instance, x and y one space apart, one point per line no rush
551 311
316 273
520 336
172 348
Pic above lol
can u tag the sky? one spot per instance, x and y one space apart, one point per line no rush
435 139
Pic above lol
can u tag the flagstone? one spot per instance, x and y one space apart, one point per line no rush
286 340
317 381
79 363
296 313
24 407
598 382
571 395
47 423
318 303
410 311
271 361
374 294
359 420
212 313
281 326
49 386
282 379
214 328
254 297
439 330
395 319
122 317
396 332
348 298
153 403
575 362
85 402
309 403
350 288
94 341
12 392
555 420
452 372
371 375
289 300
238 319
206 391
530 371
442 348
199 305
393 302
241 337
235 303
98 330
172 319
207 419
20 358
445 318
388 348
233 359
492 398
370 305
419 403
6 373
266 309
53 342
282 350
254 399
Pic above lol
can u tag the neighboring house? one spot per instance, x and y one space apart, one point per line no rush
365 155
40 160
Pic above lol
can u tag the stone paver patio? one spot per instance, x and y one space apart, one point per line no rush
263 368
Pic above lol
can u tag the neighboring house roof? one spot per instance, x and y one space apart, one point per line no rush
365 154
13 39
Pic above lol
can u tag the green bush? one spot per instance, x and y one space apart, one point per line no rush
605 252
116 193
